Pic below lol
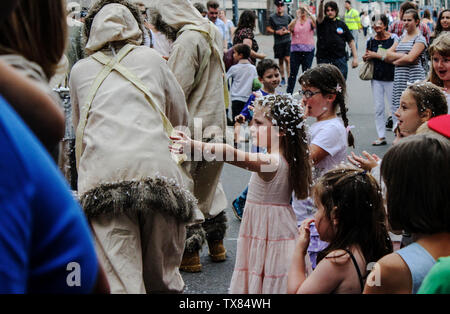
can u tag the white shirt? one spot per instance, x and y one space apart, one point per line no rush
331 136
242 75
447 96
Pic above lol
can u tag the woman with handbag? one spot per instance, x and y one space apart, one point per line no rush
383 73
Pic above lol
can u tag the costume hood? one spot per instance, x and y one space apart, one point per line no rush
178 13
181 15
112 21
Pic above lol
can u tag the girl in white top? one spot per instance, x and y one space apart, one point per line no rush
440 63
323 90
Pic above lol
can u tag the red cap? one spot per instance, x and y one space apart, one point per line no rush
440 124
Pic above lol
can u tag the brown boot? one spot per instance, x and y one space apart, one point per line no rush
217 251
191 262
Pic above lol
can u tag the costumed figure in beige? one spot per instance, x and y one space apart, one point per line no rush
196 61
136 195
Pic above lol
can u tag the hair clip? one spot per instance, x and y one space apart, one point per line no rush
348 128
338 88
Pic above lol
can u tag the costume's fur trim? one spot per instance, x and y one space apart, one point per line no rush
195 238
216 227
148 194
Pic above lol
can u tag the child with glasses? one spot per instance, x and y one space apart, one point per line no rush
323 89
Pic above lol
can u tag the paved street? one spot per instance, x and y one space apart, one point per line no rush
215 277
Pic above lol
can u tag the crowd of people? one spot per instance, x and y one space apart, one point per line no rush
114 135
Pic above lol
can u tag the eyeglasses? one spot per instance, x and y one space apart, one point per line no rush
307 93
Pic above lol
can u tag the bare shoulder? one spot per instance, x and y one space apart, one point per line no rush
338 257
389 275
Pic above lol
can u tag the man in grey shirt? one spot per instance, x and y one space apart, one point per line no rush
278 25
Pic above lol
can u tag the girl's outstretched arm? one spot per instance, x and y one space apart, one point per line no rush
266 165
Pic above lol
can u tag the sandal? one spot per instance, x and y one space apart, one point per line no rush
379 142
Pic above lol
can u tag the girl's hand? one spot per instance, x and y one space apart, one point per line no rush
239 119
303 235
181 143
370 55
368 163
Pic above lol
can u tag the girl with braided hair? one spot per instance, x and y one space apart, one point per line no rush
323 89
268 229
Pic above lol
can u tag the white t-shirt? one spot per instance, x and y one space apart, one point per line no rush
331 136
447 95
242 75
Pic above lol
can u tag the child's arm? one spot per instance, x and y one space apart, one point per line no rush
317 154
266 165
411 57
325 278
37 109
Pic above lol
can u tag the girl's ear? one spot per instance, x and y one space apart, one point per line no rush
426 115
334 219
331 97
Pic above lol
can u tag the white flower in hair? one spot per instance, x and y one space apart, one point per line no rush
338 88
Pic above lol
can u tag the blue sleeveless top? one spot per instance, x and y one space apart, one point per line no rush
419 262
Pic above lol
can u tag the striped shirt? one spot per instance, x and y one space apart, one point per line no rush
409 73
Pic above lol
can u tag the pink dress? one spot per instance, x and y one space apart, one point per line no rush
266 237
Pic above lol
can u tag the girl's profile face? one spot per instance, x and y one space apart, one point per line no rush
441 66
445 21
261 129
316 104
407 114
409 23
323 224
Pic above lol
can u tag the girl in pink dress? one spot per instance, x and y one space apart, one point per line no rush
269 227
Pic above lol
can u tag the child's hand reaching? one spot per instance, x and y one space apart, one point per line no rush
181 143
368 163
239 119
303 235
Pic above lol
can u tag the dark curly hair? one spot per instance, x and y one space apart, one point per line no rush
353 197
247 20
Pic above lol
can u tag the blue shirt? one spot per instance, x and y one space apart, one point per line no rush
246 112
221 26
45 241
419 262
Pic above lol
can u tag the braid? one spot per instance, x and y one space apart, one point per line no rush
343 108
